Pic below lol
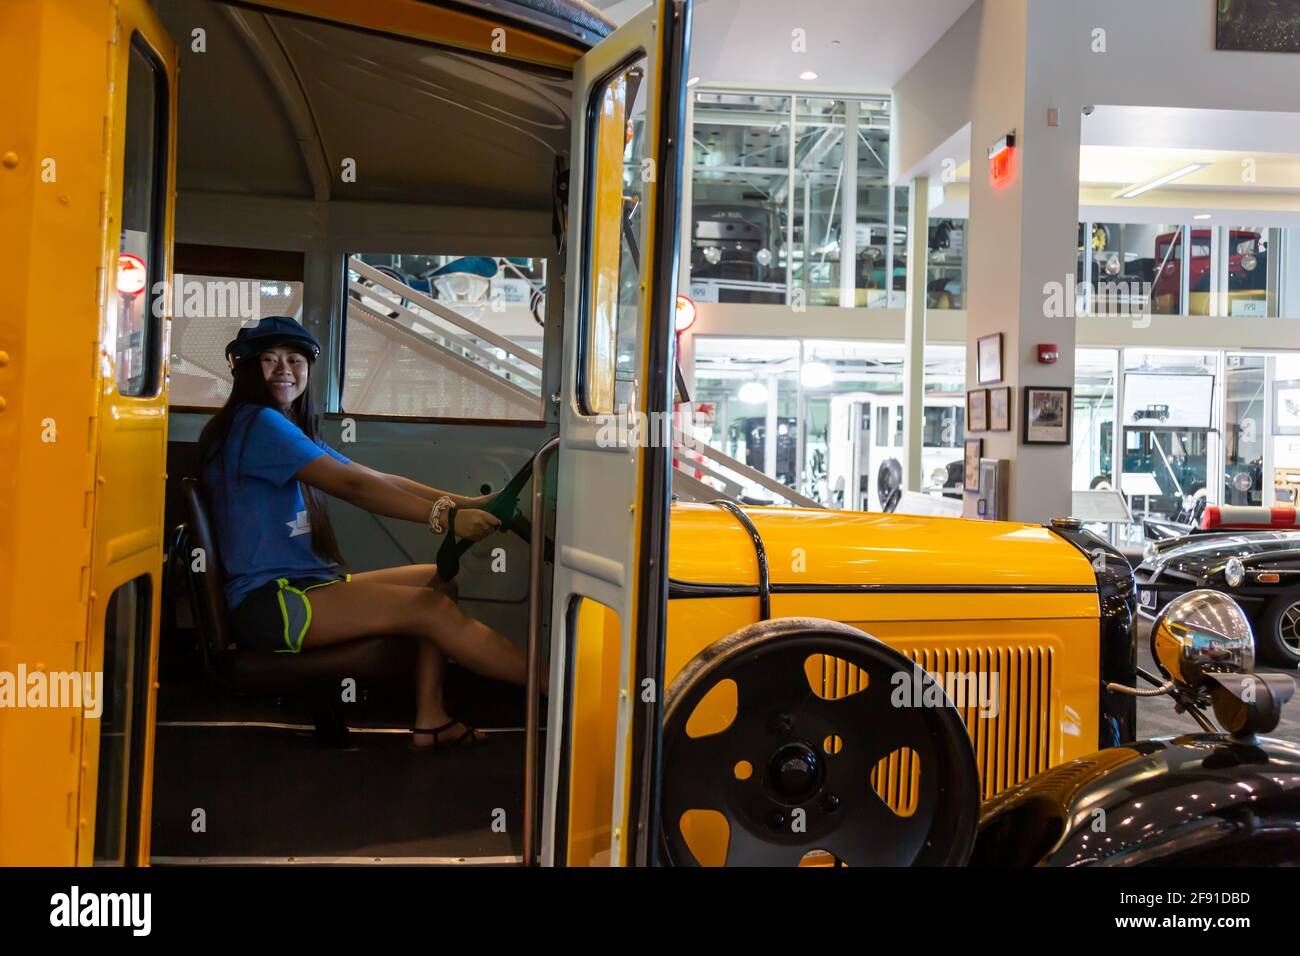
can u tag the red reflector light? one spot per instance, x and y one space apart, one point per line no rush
1269 578
685 313
131 274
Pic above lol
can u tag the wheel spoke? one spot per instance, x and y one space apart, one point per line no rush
777 682
874 835
1288 627
703 767
747 849
871 733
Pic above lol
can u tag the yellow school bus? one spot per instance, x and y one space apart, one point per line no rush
714 696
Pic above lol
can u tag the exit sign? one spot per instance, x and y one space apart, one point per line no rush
1001 160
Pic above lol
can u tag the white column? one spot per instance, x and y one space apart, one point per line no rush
792 141
1218 270
801 409
769 433
1289 273
849 209
918 247
1268 497
1022 233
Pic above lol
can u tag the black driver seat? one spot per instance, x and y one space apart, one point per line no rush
315 675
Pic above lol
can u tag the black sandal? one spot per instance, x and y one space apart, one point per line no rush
472 737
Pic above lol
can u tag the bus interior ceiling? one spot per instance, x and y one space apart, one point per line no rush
299 143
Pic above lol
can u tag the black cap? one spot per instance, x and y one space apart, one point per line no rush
270 331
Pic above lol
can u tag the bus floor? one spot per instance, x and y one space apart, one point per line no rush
238 776
272 793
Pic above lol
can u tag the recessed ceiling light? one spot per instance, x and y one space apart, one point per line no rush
692 81
1134 191
1204 215
807 75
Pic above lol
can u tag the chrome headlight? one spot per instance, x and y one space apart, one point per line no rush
1202 631
1249 262
1234 572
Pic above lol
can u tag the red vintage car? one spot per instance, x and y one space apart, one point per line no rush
1246 270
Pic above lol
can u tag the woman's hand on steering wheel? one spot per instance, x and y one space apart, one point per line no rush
474 524
482 502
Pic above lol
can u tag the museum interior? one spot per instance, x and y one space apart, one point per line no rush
773 357
1018 261
1015 219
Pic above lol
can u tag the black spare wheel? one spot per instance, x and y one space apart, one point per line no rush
878 776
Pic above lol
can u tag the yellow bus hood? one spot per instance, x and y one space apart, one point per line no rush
709 545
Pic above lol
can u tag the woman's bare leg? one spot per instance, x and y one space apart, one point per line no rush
430 711
431 664
424 575
414 575
345 612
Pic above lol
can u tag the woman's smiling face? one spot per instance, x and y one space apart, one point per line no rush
285 370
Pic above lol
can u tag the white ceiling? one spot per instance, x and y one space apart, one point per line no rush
1129 145
1246 131
851 44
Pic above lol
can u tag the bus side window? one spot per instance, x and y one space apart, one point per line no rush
122 697
616 134
142 254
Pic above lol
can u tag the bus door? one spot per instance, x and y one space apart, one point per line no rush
610 580
88 172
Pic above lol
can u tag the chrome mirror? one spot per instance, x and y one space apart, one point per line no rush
1202 632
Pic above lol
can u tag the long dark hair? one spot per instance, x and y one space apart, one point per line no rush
250 388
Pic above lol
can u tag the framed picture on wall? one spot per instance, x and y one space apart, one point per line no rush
1047 414
1286 407
971 474
1000 409
988 354
977 410
1265 27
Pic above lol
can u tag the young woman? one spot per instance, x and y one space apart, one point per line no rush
266 472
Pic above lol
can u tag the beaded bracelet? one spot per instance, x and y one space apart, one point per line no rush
435 515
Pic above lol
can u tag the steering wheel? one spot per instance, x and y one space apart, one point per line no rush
505 508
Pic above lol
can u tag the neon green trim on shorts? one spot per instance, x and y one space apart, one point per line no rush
284 615
294 647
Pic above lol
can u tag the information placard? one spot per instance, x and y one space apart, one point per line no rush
1101 505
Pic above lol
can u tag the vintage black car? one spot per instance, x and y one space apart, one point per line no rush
1260 570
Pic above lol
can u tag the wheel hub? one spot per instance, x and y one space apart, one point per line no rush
795 771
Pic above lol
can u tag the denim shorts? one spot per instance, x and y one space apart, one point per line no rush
275 617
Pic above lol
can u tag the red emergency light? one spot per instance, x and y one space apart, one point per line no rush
1002 161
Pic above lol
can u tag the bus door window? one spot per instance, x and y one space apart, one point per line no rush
608 375
142 252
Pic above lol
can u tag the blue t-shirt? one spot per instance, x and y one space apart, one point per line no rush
267 533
